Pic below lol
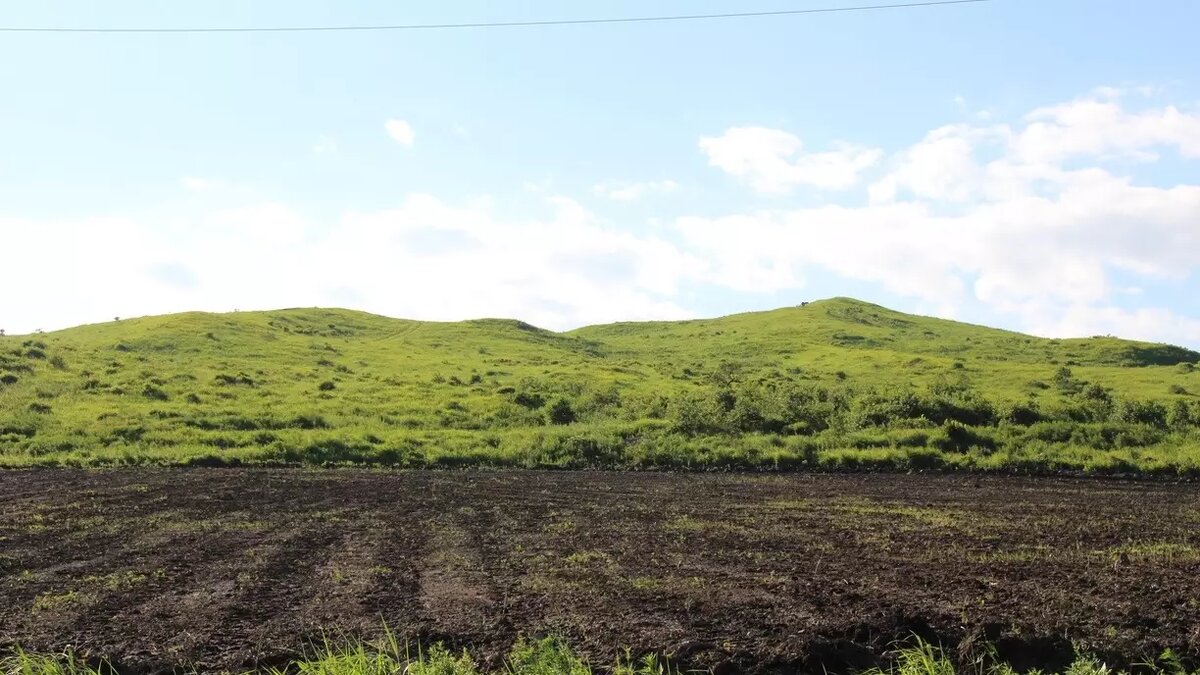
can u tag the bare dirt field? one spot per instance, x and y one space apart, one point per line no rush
229 568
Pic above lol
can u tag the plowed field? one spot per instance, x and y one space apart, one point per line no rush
228 568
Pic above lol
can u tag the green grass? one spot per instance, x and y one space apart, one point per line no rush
549 656
835 384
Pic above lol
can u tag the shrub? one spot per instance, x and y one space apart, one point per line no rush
1180 416
233 380
1151 413
1066 382
955 437
309 422
39 408
695 413
1023 414
561 412
326 386
192 398
58 362
9 378
531 401
154 393
1178 390
35 353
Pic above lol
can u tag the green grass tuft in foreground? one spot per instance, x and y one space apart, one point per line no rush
835 385
549 656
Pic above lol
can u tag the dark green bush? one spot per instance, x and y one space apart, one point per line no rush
309 422
531 401
956 437
1151 413
233 380
1180 416
561 412
1023 414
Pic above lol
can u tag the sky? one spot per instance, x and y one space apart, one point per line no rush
1027 164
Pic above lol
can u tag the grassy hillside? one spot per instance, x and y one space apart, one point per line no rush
832 383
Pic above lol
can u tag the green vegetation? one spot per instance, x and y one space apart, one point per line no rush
926 659
551 656
834 384
548 656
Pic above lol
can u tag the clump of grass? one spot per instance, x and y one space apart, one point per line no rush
66 663
923 658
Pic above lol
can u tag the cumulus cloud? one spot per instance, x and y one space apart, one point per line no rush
400 131
774 161
1041 223
424 259
1149 323
620 191
1026 219
1098 128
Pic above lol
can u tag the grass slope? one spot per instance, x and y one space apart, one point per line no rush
832 383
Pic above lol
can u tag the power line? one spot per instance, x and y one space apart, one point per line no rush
490 24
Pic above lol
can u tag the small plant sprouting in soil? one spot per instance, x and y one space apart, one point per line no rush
52 601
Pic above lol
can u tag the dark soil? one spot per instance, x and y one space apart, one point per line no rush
231 568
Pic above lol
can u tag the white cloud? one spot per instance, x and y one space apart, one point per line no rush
994 215
627 192
1154 324
424 259
1041 230
773 161
400 131
1099 128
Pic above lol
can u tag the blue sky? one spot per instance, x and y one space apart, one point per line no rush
1028 164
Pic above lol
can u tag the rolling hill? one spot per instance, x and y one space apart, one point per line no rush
832 383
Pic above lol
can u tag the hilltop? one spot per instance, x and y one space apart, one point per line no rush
833 382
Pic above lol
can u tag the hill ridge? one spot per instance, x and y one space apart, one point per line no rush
836 378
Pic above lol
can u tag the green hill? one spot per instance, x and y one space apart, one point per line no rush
834 383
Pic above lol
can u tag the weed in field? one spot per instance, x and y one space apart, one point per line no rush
50 601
